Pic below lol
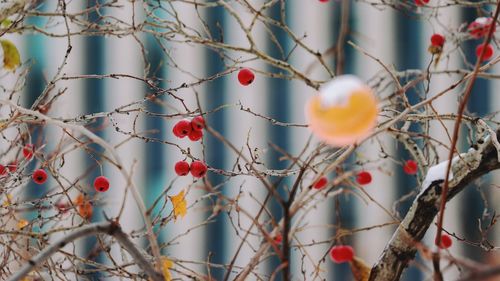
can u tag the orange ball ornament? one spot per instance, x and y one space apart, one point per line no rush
344 112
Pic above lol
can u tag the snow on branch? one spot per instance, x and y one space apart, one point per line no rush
467 167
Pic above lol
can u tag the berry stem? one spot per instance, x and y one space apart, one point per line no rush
456 130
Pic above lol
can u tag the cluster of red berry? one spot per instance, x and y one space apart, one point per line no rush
478 29
28 152
345 253
410 167
198 169
39 176
101 183
12 167
193 129
364 177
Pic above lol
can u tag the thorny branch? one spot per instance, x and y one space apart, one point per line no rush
186 25
109 228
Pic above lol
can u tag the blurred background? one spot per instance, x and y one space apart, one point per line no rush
398 38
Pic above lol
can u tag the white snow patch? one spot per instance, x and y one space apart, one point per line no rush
437 172
337 91
483 20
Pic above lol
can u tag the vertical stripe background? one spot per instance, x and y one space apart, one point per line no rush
386 34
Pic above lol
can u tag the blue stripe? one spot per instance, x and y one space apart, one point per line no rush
478 105
94 63
408 48
216 238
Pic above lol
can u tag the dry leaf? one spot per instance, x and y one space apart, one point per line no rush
22 223
360 269
166 264
8 200
11 57
180 205
84 207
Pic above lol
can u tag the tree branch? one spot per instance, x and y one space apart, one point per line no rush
400 250
109 228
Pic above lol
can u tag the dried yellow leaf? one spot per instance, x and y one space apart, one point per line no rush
8 200
11 57
166 264
360 269
180 204
5 23
22 223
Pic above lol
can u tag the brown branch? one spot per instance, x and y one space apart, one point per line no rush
481 275
454 140
400 250
108 228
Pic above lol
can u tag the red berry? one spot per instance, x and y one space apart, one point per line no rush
198 123
480 27
195 135
410 167
437 40
488 53
278 238
320 183
62 206
39 176
101 184
182 128
342 253
364 177
3 170
476 30
323 1
182 168
28 151
198 169
245 76
421 2
12 167
446 241
175 131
